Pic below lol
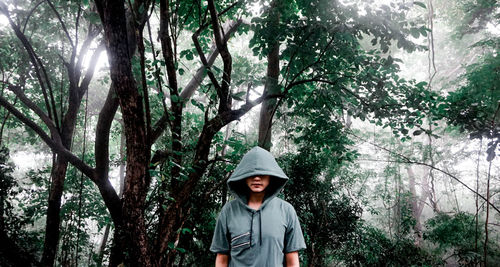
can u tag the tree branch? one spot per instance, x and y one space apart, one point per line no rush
46 119
84 85
206 65
166 44
55 145
195 82
35 61
410 161
31 13
63 25
225 99
92 34
103 127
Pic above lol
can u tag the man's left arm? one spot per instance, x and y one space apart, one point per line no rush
292 259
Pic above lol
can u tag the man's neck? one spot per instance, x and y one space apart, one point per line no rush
255 200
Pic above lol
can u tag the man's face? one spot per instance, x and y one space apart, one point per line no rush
258 183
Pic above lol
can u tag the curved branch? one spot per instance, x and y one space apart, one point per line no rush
61 21
225 99
55 146
103 128
91 70
31 105
35 61
92 34
195 82
31 13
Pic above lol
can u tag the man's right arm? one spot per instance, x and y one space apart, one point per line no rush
221 260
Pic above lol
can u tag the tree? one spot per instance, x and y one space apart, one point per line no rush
59 120
323 66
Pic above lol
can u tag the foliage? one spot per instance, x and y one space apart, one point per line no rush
15 221
336 72
369 246
457 230
457 233
477 14
475 106
326 214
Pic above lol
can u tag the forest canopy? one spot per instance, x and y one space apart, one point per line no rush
121 121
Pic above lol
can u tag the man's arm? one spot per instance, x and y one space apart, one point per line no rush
222 260
292 259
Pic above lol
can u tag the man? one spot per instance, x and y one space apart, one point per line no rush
257 229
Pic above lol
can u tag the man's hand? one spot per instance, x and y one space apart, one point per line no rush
222 260
292 259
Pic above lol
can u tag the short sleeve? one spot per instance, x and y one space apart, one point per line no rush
220 242
294 239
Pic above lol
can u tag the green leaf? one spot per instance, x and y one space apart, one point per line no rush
420 4
415 32
239 96
423 31
94 18
421 84
198 104
216 69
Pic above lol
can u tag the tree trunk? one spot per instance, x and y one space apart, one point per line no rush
115 257
136 179
417 204
269 106
100 253
476 232
487 216
53 212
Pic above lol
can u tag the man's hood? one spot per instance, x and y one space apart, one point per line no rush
257 161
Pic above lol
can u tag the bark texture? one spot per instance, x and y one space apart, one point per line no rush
113 17
269 106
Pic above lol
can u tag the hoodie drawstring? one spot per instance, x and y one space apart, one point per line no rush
251 229
260 227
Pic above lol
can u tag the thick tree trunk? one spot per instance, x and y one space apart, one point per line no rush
58 176
269 106
53 212
113 19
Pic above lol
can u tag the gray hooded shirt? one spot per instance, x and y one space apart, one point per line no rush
257 237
